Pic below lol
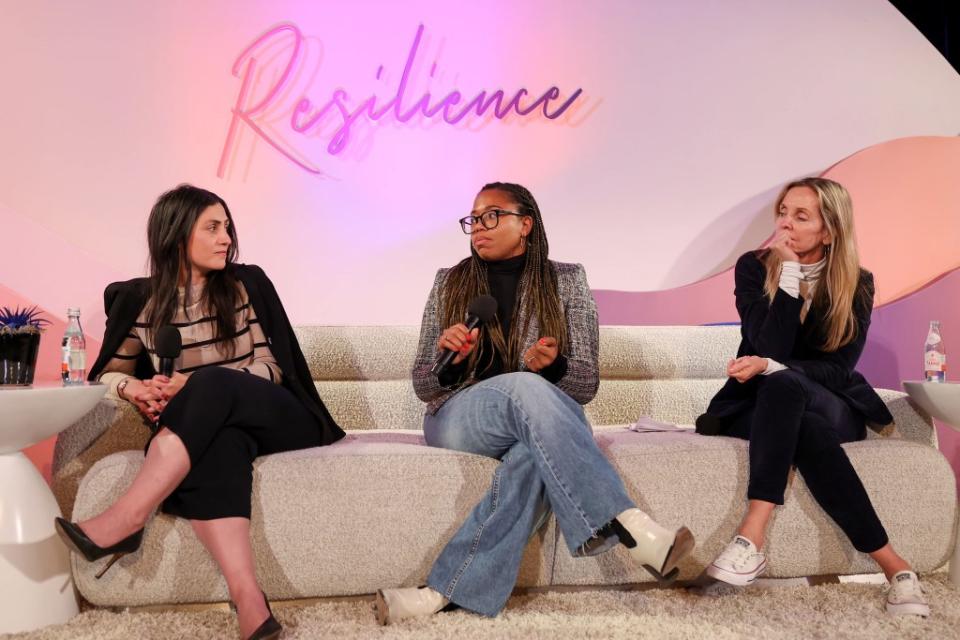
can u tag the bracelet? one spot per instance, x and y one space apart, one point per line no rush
123 385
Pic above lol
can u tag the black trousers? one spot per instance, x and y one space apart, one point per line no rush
796 421
226 418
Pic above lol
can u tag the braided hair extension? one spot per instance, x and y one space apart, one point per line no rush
537 289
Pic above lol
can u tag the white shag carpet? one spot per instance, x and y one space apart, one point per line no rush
782 612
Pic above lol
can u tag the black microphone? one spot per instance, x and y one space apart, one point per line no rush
481 310
168 346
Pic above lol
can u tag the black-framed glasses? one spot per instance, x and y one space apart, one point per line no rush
489 219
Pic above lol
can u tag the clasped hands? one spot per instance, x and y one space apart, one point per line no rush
152 395
462 341
746 367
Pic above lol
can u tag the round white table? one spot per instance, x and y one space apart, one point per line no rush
34 563
942 401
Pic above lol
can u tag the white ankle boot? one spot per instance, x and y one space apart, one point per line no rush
397 604
659 550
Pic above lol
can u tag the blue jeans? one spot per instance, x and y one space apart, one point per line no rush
548 459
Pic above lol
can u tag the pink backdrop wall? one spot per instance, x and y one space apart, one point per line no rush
674 127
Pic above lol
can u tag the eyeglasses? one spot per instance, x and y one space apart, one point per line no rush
489 219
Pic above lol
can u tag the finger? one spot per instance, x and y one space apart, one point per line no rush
736 368
452 342
474 334
547 341
161 379
148 396
530 358
462 354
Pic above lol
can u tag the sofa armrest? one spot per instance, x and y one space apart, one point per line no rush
910 421
113 425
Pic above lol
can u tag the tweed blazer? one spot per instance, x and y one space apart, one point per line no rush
580 381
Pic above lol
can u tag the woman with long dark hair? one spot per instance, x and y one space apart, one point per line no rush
241 389
805 307
514 392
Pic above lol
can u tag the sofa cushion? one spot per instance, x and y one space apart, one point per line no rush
701 481
395 502
390 505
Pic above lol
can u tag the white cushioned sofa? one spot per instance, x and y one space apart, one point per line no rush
391 502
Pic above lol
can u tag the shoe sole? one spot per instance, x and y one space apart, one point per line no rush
683 544
908 609
735 579
381 609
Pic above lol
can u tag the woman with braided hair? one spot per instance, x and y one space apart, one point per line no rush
514 392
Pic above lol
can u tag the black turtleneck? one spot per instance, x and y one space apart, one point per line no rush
503 278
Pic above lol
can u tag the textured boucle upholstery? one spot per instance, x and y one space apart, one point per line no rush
391 506
393 502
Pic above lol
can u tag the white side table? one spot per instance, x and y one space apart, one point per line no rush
942 401
34 563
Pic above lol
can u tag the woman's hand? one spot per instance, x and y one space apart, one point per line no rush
746 367
167 387
457 338
782 245
145 398
541 354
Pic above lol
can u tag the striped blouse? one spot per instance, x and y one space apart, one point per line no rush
200 349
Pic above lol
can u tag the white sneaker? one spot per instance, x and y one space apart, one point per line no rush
905 596
393 605
658 550
739 564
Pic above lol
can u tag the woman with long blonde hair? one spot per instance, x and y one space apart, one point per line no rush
805 306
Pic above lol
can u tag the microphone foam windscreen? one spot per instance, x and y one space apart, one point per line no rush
168 343
483 307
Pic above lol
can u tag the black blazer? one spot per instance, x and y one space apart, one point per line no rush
775 331
123 302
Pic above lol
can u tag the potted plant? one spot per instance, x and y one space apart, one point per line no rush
20 331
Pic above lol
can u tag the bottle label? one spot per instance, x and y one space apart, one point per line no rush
933 338
78 360
934 361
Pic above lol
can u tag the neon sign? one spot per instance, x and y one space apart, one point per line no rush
305 116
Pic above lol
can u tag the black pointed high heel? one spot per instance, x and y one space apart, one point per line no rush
270 629
74 537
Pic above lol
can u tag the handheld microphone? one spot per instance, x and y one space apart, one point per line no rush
481 310
168 346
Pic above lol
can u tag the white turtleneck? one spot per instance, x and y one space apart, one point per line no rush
791 275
